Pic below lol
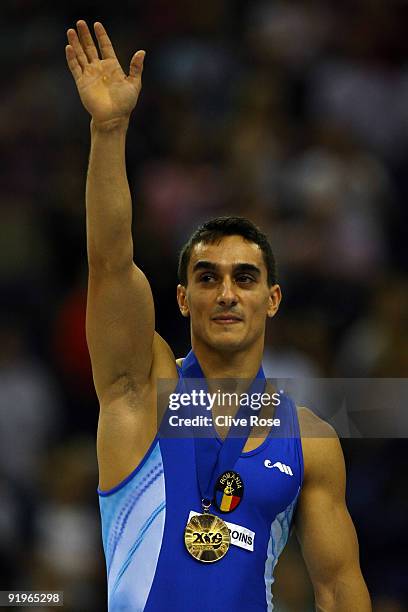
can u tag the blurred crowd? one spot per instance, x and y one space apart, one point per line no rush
293 114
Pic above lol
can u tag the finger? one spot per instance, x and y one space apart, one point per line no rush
72 61
87 42
136 64
105 45
76 45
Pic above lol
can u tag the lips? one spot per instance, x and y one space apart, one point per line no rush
227 319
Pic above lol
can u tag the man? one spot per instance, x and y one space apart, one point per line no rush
148 486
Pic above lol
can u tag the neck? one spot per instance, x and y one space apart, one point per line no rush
226 364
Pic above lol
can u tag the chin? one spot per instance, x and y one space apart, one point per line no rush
227 343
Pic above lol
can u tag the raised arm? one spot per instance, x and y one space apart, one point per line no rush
120 310
324 527
127 354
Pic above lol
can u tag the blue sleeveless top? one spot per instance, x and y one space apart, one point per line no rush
143 520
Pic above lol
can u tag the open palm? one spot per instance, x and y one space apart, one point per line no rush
106 92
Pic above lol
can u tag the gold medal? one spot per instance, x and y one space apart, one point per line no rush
207 537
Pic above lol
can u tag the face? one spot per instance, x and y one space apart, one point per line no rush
227 296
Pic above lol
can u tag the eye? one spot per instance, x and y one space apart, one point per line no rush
245 279
207 277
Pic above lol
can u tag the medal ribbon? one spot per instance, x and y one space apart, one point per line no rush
212 459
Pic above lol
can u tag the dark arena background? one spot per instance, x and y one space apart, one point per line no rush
294 114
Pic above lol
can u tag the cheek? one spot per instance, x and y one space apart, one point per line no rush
198 306
259 306
259 310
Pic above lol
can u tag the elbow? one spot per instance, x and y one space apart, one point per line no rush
110 260
344 593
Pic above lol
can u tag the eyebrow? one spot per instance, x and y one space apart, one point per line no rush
239 267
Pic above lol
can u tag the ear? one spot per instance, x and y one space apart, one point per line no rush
182 300
275 296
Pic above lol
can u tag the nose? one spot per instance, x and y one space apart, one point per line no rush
227 296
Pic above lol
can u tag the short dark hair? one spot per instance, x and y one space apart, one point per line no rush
215 230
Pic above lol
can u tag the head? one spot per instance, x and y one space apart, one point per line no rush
227 284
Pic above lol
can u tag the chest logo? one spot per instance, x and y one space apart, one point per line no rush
285 469
229 490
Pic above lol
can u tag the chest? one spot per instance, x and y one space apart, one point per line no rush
271 476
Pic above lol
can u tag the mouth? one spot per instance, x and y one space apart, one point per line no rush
227 319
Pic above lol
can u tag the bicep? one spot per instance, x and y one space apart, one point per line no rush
323 524
119 327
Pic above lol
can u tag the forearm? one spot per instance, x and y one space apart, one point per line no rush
108 200
346 593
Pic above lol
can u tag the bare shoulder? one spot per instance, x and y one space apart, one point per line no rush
322 453
312 425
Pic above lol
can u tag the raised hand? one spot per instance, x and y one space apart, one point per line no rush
105 91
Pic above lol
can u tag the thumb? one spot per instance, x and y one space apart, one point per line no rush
136 64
